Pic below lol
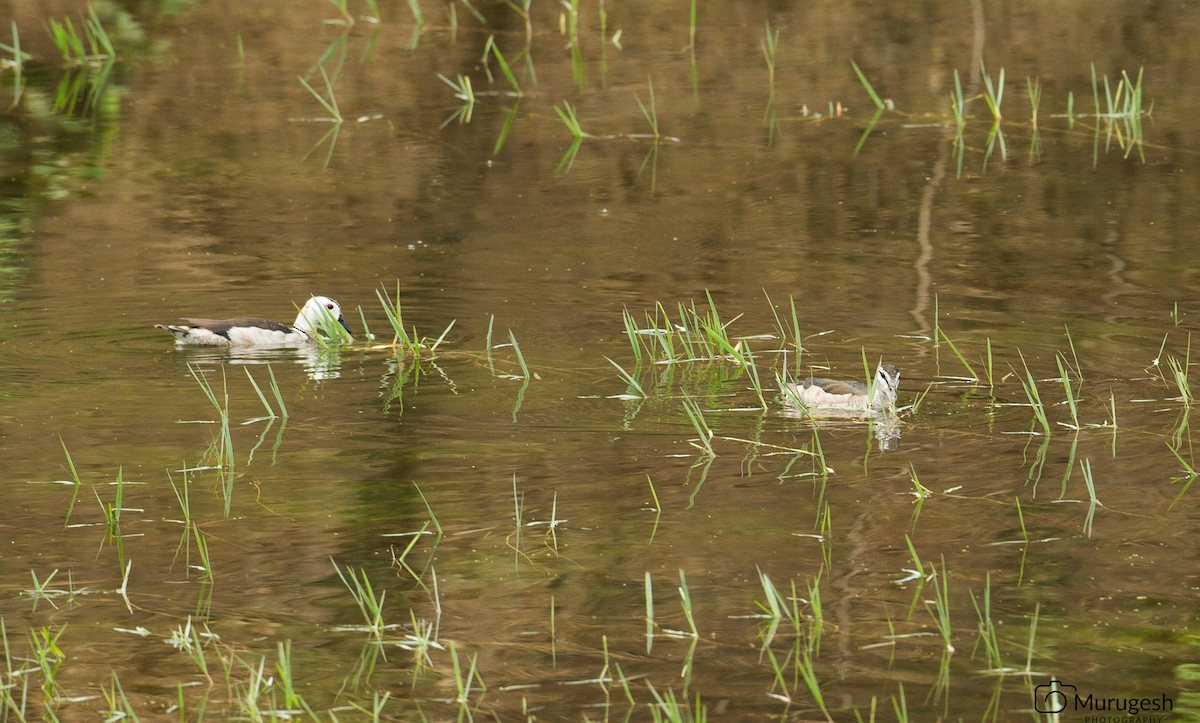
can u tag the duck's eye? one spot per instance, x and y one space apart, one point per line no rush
329 306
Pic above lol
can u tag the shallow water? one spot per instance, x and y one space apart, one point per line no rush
200 185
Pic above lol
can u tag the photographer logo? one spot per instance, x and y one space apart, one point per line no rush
1059 697
1052 697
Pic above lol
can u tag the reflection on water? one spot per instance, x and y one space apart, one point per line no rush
320 362
883 426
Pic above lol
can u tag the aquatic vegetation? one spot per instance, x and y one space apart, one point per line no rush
463 91
704 432
880 107
402 339
789 620
220 452
993 93
91 47
569 118
370 605
487 582
327 100
650 113
770 50
573 43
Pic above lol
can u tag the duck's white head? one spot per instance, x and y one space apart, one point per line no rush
319 312
887 380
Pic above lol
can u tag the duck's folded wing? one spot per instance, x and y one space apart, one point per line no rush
836 386
222 326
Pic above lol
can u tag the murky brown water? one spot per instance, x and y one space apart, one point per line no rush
200 185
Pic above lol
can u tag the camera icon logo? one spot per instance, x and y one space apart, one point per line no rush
1051 697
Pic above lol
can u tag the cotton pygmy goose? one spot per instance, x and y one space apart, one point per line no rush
817 393
318 311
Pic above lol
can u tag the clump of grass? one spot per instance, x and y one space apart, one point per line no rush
570 119
744 358
190 641
414 8
916 574
370 605
941 605
1034 89
16 63
987 628
512 340
41 590
465 681
685 597
328 100
920 491
866 84
91 47
958 106
1093 502
221 449
1179 374
490 47
48 657
1125 105
650 113
797 341
670 709
119 707
463 91
973 377
809 673
1029 384
75 481
703 431
403 339
633 388
777 608
993 93
1187 478
900 705
880 107
286 680
648 588
275 391
770 51
573 44
988 363
112 514
1064 374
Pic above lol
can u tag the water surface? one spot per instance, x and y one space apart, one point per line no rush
205 182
